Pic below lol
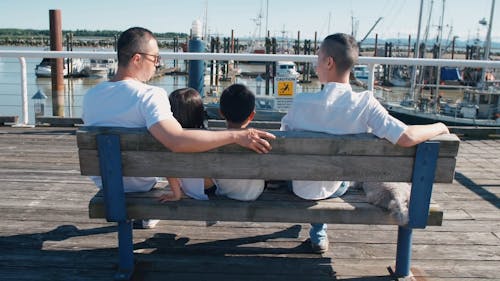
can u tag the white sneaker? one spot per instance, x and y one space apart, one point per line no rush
145 224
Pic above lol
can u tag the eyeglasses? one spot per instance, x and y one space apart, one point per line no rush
156 60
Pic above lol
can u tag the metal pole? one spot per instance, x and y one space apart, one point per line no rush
24 90
415 54
438 74
267 16
487 43
488 35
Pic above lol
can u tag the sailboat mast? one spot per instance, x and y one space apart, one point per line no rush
440 42
329 22
267 15
441 27
416 53
205 24
487 44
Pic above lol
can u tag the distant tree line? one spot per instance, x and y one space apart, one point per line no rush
80 37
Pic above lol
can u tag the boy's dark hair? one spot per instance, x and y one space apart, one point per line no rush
187 108
344 50
237 102
132 41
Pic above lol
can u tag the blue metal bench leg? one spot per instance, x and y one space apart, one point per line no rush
403 255
114 196
125 251
418 209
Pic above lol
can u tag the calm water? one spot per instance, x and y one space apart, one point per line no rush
75 88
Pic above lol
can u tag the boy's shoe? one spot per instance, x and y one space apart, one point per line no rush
318 237
320 247
145 224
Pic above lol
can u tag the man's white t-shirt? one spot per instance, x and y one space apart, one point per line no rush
338 110
126 103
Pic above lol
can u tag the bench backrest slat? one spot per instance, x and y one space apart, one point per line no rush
295 155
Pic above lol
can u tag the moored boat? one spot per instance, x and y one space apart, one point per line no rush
477 107
72 67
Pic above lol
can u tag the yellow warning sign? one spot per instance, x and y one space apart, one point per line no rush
285 88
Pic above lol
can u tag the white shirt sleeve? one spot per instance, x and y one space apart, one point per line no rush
156 107
383 125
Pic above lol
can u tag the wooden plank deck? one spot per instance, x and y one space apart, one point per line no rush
46 234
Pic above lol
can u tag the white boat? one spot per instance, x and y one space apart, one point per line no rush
361 72
76 65
101 68
286 69
400 77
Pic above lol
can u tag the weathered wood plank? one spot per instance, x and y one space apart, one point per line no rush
295 155
291 142
266 166
338 210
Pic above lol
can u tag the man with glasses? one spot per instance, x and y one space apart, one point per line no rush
126 101
337 109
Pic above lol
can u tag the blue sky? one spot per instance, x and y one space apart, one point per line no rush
399 17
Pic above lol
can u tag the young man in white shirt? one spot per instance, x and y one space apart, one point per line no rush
337 109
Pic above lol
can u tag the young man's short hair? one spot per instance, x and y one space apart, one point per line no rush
344 50
132 41
237 102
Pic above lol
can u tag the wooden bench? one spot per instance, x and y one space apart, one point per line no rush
117 152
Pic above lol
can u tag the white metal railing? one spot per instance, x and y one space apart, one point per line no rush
370 61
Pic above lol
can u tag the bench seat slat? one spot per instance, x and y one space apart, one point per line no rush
288 210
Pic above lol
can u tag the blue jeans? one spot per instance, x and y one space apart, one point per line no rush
317 232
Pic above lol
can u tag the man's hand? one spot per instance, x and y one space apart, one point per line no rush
255 140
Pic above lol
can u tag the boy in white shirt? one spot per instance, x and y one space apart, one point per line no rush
237 105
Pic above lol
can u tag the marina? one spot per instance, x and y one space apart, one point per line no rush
271 102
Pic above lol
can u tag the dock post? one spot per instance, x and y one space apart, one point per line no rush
196 67
57 67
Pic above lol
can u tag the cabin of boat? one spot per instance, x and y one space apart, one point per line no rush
100 68
286 69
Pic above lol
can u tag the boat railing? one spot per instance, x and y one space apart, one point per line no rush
371 62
